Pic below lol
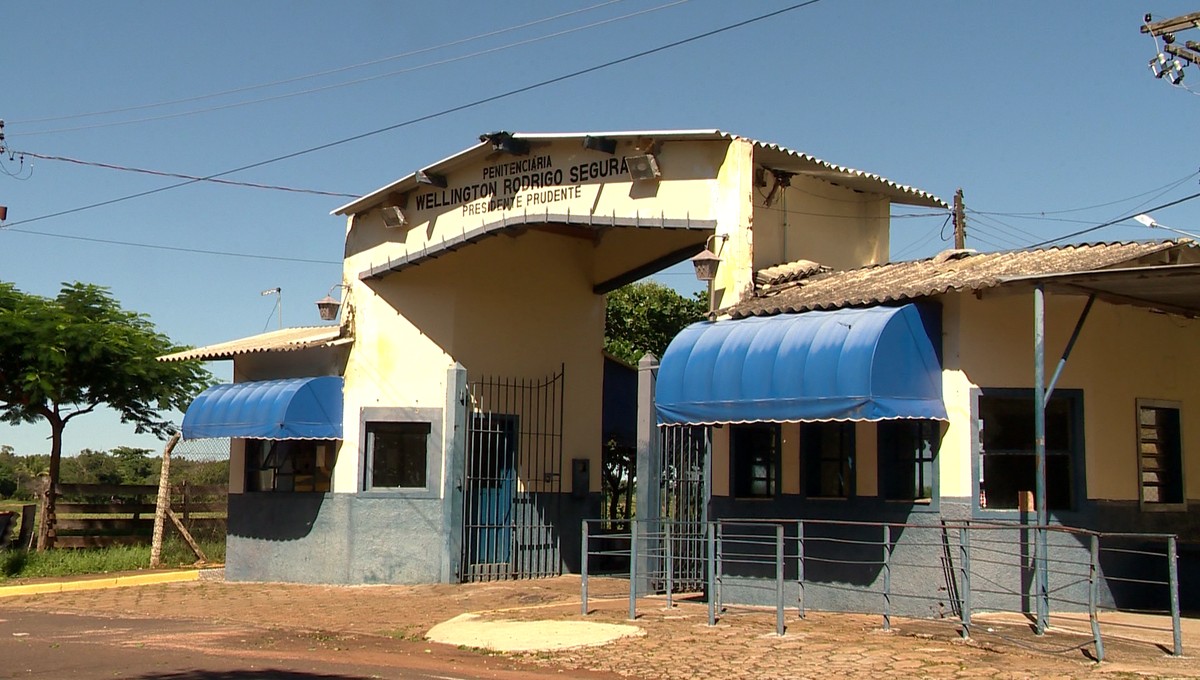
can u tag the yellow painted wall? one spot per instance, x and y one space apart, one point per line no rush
818 221
507 307
735 230
1122 354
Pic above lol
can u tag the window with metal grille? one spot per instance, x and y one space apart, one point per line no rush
1160 453
754 459
828 453
397 455
291 465
907 455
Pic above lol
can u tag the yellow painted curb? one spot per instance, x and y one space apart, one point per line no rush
99 583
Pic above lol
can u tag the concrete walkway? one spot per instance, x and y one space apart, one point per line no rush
541 618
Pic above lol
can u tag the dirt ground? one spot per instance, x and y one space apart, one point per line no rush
678 642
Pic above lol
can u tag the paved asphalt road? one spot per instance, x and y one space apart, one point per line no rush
57 645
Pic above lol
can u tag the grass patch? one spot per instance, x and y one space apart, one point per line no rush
59 563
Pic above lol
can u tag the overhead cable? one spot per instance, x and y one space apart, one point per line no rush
438 114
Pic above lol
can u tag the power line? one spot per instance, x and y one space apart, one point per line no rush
159 173
438 114
1112 222
340 69
334 86
179 249
1037 213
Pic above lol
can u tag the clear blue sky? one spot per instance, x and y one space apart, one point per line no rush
1030 107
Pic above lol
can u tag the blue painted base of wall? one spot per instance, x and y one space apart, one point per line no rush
358 539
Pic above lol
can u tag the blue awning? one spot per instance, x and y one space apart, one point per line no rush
293 408
848 364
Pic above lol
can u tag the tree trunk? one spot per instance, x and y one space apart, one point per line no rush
46 530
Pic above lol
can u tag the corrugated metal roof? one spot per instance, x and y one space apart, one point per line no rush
283 340
954 271
772 155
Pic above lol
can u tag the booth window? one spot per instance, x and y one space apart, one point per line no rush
754 459
828 452
1007 458
907 455
397 455
1160 453
289 465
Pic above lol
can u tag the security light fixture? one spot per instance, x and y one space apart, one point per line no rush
393 217
505 142
643 168
328 307
431 178
605 144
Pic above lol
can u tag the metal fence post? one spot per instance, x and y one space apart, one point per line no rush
1093 598
800 566
1173 577
633 570
583 570
670 566
717 552
964 595
887 577
779 579
712 573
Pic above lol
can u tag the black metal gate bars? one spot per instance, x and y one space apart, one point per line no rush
513 479
684 496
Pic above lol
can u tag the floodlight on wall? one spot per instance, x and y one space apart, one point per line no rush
431 178
393 217
605 144
327 306
707 261
505 142
643 168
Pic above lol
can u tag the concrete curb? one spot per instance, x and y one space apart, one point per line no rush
100 583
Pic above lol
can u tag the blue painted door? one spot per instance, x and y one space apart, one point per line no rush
492 488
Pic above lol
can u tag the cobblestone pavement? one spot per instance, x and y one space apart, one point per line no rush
678 642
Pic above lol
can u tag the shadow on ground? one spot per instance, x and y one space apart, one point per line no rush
263 674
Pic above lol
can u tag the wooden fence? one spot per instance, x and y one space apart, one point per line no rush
102 515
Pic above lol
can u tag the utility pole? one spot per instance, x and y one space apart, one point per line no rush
960 221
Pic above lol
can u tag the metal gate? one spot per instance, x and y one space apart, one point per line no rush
513 479
685 493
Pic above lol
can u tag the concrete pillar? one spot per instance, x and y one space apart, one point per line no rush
649 471
453 468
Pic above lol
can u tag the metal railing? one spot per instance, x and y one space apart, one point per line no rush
943 570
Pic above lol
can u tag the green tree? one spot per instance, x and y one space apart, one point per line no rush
63 357
134 465
643 317
9 482
640 318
